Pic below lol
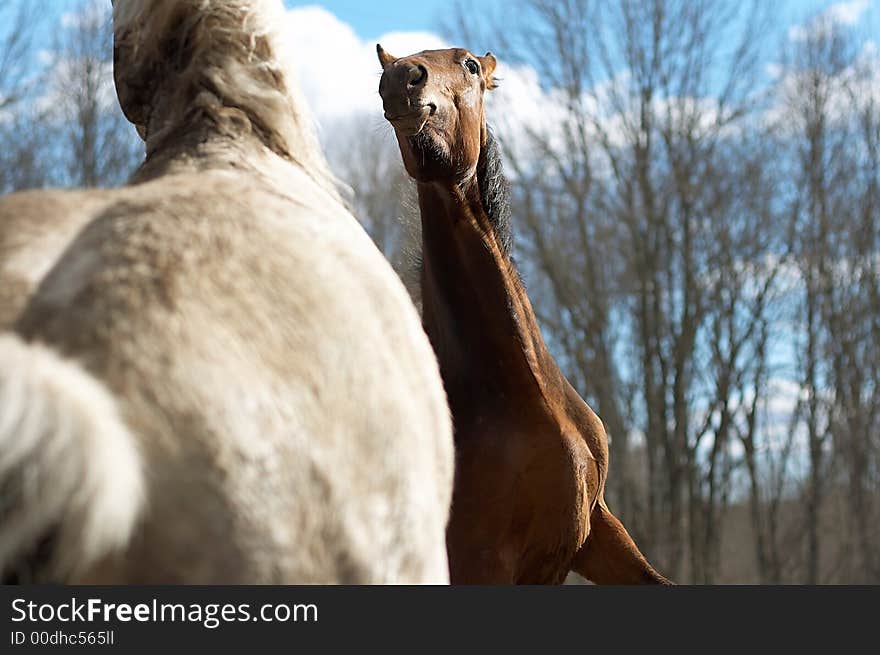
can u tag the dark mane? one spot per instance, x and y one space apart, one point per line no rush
495 191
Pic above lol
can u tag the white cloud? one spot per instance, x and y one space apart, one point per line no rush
70 19
338 72
852 89
845 14
774 71
520 108
334 72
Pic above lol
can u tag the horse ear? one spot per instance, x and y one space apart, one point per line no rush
385 58
488 64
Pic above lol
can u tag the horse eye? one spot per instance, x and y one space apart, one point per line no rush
472 66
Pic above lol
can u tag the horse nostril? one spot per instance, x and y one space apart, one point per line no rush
418 75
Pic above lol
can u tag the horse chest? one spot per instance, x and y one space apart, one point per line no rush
518 503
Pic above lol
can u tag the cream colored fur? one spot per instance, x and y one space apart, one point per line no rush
242 335
70 466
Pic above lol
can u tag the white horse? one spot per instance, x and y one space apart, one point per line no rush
219 378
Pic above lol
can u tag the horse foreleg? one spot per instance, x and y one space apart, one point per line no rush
610 556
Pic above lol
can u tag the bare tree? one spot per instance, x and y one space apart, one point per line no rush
830 100
20 20
101 147
21 147
363 154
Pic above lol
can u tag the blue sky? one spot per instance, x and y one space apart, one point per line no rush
370 18
373 18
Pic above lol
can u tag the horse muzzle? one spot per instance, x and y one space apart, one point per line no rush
412 122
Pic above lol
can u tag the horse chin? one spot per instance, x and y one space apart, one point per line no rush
410 124
427 156
429 144
409 129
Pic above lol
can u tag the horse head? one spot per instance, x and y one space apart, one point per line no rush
434 100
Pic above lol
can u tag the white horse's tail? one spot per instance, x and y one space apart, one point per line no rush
71 486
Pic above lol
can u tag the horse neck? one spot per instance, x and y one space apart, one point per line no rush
200 148
206 150
475 309
230 138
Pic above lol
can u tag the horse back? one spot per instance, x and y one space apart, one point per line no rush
265 356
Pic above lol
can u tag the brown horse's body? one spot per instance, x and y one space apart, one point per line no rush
532 457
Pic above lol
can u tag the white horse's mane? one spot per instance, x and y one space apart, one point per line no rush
177 62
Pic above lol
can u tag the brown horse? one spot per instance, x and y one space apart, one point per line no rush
532 457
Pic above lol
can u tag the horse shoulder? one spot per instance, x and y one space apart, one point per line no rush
35 229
